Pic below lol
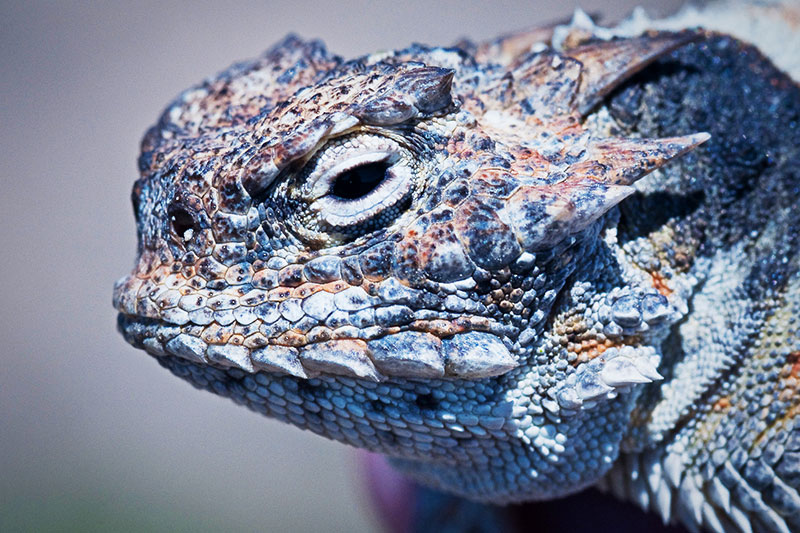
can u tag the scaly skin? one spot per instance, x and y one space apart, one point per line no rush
492 298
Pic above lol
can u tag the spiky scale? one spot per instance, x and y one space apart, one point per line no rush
624 161
606 64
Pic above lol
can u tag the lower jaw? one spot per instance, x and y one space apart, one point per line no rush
147 334
405 354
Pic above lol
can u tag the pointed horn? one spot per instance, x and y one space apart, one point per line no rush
541 216
509 49
606 64
420 90
624 161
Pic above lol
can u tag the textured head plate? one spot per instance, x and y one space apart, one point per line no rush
239 252
408 218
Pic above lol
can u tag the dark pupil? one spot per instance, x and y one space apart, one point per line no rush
181 220
359 181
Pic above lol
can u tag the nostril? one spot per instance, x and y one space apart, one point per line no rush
183 223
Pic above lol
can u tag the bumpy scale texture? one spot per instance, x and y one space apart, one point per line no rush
446 255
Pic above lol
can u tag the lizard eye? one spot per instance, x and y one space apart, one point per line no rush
359 181
357 184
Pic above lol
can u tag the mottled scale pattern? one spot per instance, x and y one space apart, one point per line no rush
519 269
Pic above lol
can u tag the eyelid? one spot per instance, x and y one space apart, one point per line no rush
343 213
376 206
322 185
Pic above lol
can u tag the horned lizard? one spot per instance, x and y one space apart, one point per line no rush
559 259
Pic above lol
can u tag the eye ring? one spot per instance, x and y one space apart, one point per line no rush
339 212
329 167
352 186
357 183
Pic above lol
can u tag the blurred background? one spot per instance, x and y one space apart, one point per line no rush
94 435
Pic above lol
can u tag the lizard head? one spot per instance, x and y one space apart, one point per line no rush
407 252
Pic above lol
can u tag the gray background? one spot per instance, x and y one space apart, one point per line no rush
94 435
